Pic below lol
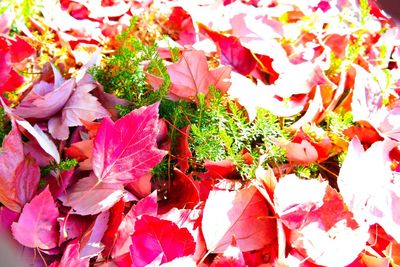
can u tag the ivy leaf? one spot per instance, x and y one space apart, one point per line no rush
126 150
37 225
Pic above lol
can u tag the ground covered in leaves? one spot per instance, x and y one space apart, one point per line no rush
200 133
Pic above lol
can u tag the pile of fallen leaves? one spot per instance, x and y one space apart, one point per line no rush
77 183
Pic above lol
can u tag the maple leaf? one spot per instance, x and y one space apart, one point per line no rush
91 196
154 236
19 175
191 76
126 150
80 106
37 225
228 213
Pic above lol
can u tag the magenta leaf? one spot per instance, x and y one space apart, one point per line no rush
154 236
91 240
19 175
37 225
71 256
127 149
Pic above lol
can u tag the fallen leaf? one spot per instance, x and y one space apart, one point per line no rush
37 225
19 175
91 196
229 213
71 256
153 236
80 106
91 245
126 150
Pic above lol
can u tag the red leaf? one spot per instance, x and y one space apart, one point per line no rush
19 177
232 52
220 169
154 237
229 213
37 225
20 50
126 150
183 192
111 234
147 205
90 196
71 256
181 22
183 152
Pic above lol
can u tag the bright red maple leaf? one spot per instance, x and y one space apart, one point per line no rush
153 237
37 225
127 149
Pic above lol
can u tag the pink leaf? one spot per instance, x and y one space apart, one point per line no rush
71 256
42 139
154 236
80 106
190 76
91 240
37 225
181 22
45 100
18 178
126 150
301 153
229 213
90 196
